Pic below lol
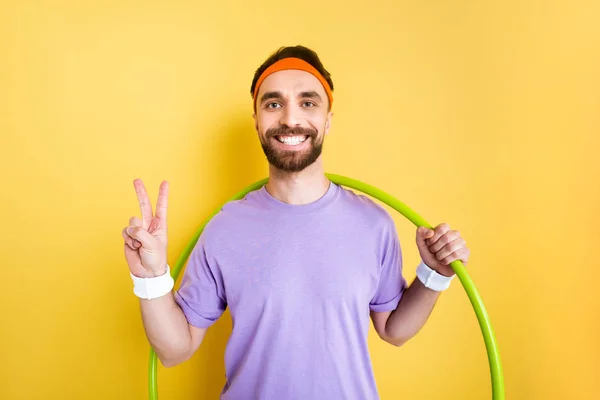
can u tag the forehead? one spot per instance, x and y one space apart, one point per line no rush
291 82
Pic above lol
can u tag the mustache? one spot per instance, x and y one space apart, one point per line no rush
284 130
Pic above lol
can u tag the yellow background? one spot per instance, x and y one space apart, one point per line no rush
481 114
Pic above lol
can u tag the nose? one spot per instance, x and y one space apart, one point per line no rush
290 116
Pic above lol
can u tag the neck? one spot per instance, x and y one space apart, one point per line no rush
298 188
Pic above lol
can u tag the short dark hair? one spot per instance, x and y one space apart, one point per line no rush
304 53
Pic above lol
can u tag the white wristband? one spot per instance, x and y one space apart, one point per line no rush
151 288
432 279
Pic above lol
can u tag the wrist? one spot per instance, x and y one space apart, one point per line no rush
154 286
160 271
452 274
432 279
148 273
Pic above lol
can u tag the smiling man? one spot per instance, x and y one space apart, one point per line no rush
293 112
303 264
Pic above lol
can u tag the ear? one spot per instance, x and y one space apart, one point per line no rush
255 122
328 122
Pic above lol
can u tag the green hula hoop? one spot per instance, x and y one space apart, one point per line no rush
482 316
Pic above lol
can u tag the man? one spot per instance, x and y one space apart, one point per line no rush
301 263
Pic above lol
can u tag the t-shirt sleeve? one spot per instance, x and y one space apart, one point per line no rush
391 282
201 295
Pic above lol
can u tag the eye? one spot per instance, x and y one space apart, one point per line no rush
273 105
308 104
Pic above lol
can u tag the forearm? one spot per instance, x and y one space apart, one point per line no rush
412 312
167 329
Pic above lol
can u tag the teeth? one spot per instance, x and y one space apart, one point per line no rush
292 140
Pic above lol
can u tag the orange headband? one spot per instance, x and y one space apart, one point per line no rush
293 63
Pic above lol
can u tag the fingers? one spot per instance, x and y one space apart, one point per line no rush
140 234
135 234
449 249
446 245
446 238
145 206
161 204
129 241
438 232
135 221
461 254
423 234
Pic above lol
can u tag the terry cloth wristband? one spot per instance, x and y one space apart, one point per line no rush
152 288
432 279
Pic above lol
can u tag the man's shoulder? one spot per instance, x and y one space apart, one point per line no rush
363 206
233 215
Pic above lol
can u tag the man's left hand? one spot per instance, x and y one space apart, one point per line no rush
440 246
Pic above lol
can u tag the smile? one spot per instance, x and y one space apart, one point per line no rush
292 140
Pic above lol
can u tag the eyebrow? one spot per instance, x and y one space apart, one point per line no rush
278 95
271 95
311 95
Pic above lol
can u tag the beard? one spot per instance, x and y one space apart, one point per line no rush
292 160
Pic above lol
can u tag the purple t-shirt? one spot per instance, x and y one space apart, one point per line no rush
299 281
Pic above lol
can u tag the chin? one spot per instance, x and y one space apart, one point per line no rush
293 163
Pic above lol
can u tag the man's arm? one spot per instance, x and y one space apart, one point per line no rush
166 326
438 247
398 326
167 329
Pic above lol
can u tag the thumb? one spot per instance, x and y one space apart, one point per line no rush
422 235
142 235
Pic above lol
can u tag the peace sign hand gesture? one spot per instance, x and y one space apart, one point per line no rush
146 239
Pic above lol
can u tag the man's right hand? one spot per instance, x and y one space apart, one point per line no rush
146 239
